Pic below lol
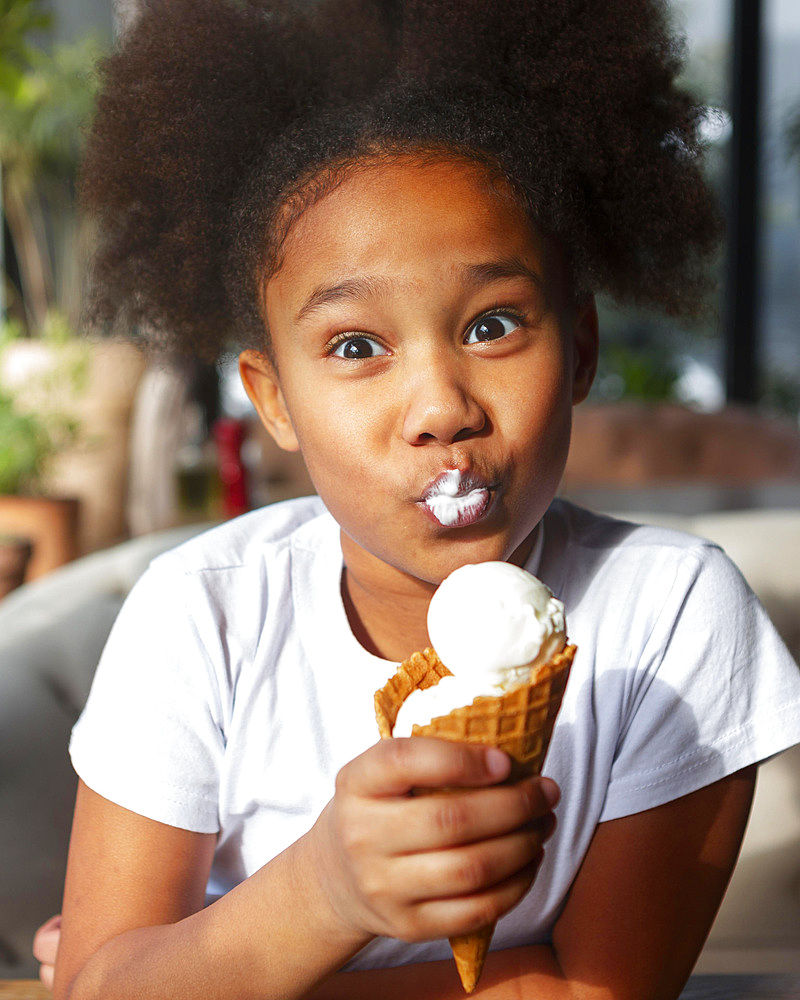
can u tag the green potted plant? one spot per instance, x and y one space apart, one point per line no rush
37 532
23 446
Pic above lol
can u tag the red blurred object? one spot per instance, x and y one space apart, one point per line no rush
229 436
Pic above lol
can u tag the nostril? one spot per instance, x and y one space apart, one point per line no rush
444 413
468 432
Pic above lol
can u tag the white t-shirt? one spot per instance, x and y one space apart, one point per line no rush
232 690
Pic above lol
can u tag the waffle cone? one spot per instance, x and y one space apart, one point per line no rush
520 722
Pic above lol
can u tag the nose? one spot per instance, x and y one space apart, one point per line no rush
440 404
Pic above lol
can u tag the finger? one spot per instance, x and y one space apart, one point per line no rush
449 917
395 767
550 791
47 975
437 821
46 939
465 871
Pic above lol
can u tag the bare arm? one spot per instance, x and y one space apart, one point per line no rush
636 919
124 871
133 921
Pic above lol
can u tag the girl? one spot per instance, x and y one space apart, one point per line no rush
402 212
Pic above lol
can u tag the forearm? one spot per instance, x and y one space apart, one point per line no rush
133 917
511 974
274 935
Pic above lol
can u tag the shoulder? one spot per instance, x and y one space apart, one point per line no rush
246 540
649 596
581 547
680 677
219 587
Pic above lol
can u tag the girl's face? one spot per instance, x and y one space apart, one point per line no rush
427 355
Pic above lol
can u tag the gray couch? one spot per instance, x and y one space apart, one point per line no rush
51 634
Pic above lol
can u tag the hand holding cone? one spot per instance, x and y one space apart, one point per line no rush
520 722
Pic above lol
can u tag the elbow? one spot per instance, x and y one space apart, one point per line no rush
88 984
101 977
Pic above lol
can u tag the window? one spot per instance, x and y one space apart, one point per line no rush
704 364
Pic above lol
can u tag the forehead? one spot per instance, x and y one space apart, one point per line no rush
404 218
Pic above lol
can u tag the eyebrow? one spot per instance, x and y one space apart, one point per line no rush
354 289
500 270
348 290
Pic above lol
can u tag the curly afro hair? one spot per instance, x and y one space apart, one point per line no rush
220 120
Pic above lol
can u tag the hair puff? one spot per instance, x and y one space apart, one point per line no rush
214 114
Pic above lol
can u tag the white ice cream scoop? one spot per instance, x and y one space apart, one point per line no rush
491 623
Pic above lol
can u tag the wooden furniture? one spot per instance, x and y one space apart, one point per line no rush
698 988
23 989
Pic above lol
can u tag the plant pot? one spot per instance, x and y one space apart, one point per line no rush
15 554
95 467
51 524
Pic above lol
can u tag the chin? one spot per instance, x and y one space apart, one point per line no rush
438 561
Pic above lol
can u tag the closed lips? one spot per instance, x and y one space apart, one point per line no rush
456 499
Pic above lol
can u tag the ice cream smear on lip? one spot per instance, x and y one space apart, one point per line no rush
454 499
492 625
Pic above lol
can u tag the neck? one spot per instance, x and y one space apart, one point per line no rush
388 610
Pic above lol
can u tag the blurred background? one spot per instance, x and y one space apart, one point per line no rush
107 456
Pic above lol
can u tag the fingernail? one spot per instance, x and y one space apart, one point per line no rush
497 763
551 792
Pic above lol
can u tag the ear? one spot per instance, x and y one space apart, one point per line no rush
261 384
586 347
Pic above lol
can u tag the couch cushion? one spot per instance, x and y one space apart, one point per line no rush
52 632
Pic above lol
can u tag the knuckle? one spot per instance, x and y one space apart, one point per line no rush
352 839
343 780
464 760
450 816
473 871
412 928
351 829
373 889
400 754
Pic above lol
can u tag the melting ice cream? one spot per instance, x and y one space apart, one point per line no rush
492 624
454 499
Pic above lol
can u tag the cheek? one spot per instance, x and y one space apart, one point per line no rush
539 398
541 422
339 438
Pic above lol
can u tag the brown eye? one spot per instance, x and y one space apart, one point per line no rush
490 328
358 348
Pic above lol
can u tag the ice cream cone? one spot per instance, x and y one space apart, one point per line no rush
520 722
469 952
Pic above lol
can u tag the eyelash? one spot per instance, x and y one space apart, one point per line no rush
502 311
343 338
499 311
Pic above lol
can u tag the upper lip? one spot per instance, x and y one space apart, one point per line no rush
467 483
